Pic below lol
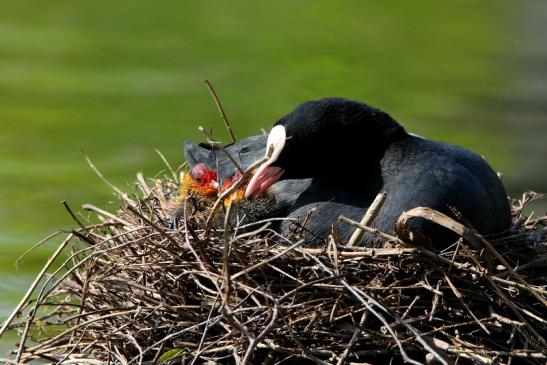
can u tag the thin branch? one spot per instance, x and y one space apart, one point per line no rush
27 295
374 231
367 219
232 189
123 195
211 140
221 110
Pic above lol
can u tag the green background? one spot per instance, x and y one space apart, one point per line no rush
118 79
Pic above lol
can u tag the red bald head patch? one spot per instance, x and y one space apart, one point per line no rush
201 180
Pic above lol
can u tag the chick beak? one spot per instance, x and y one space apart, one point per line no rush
266 175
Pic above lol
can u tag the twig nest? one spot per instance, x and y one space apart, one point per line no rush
134 290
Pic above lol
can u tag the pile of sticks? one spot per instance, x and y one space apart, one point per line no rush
130 289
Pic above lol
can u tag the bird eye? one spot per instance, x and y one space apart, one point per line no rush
198 179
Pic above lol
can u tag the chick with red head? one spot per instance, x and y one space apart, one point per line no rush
198 190
212 173
200 181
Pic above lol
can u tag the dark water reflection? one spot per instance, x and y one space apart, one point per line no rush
119 79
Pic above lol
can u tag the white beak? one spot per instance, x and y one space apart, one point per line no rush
266 175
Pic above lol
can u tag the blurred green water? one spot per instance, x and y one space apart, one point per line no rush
119 79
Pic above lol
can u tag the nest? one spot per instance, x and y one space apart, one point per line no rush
134 290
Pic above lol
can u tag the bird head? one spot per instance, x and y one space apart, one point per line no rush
201 181
244 152
320 135
238 195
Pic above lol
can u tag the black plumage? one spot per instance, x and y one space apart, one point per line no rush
339 154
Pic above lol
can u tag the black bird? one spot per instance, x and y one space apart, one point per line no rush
352 151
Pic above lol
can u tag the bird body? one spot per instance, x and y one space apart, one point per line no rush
435 175
333 156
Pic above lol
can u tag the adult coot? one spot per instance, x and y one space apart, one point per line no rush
353 151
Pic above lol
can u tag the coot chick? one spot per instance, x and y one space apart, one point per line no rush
198 189
244 153
354 151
